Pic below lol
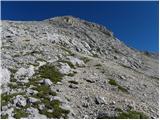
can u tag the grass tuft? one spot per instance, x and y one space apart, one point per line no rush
132 115
20 113
50 72
113 82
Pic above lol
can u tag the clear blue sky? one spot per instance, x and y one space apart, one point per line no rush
135 23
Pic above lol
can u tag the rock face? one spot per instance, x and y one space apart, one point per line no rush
65 67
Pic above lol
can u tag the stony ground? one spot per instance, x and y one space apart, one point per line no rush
65 67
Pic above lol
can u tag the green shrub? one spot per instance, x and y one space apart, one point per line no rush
50 72
132 115
58 112
113 82
43 91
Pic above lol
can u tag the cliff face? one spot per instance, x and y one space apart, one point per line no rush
66 67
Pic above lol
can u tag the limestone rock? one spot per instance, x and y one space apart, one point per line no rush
20 101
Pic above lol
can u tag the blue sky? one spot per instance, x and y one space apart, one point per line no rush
135 23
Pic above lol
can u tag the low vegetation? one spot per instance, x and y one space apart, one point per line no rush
5 98
113 82
57 112
20 113
130 114
4 116
50 72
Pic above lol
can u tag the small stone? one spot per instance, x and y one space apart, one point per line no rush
89 80
73 86
47 82
41 106
32 100
31 91
100 100
50 110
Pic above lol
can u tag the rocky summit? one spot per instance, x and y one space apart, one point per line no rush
65 67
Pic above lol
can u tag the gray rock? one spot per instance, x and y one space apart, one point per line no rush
5 76
76 61
89 80
20 101
31 91
23 74
34 113
64 68
46 82
100 100
32 100
41 106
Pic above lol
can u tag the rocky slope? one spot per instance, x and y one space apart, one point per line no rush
66 67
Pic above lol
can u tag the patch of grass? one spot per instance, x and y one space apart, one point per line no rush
122 89
132 115
58 112
73 82
43 91
20 113
4 116
125 115
50 72
6 98
13 86
113 82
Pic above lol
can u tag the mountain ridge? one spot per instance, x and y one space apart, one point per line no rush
80 68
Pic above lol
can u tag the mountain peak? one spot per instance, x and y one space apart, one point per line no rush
65 67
